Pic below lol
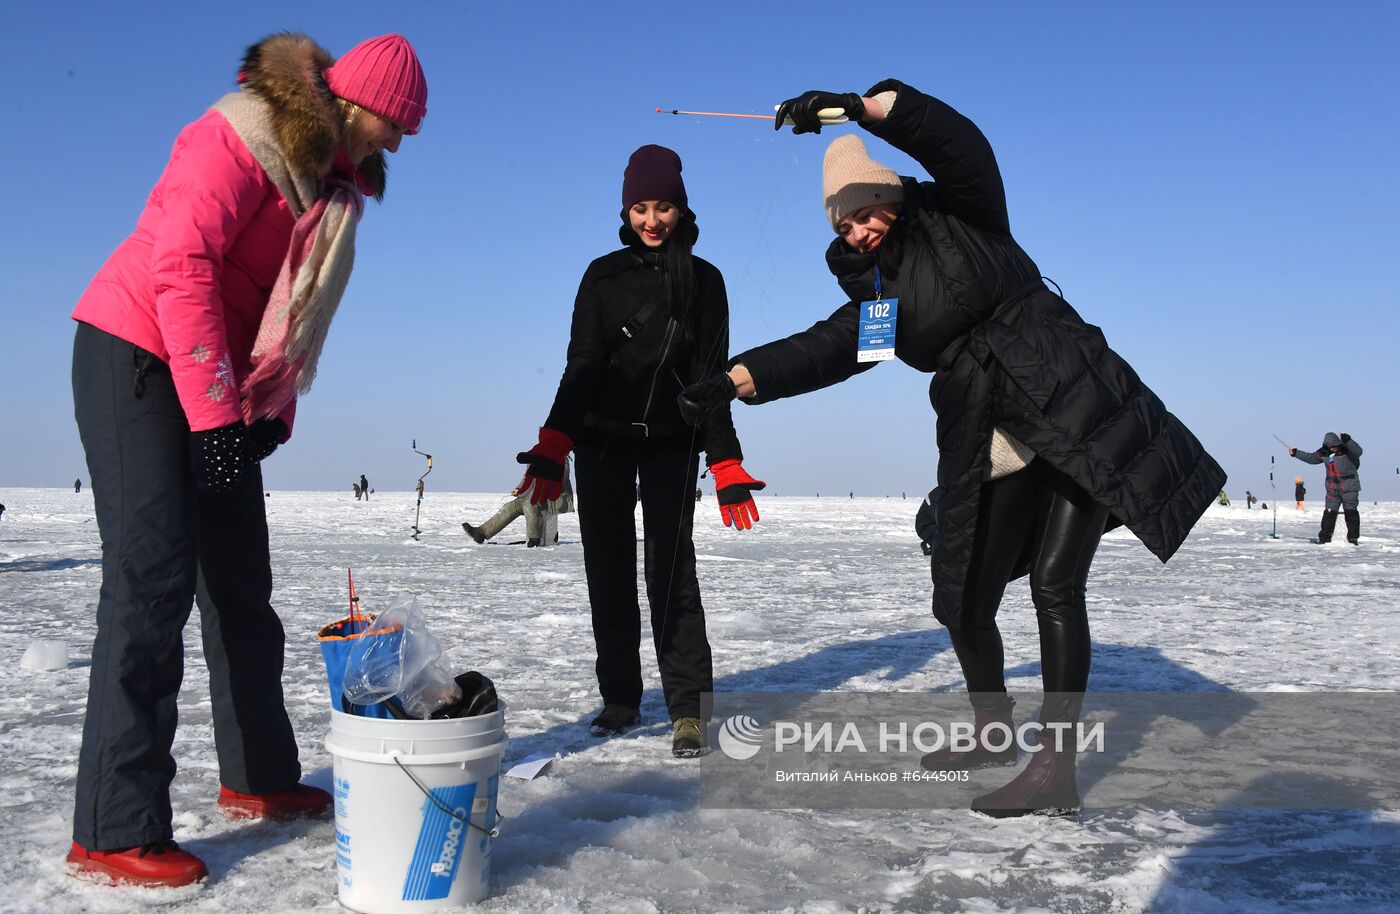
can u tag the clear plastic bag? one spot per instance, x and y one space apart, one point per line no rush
397 657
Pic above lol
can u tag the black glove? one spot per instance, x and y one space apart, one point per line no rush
705 396
1345 437
803 109
217 458
263 437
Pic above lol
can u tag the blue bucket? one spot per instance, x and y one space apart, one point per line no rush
338 641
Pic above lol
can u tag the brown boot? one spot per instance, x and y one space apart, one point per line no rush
1045 787
979 756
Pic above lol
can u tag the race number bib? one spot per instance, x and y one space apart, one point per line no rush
875 340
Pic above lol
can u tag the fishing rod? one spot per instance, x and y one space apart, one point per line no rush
1284 443
828 116
419 510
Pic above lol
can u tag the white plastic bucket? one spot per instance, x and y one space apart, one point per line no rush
415 808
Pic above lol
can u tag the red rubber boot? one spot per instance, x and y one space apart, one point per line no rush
158 864
300 801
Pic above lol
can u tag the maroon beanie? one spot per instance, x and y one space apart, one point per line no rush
653 173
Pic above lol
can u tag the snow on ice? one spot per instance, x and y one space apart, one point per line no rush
826 594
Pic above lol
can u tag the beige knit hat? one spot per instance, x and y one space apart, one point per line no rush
852 180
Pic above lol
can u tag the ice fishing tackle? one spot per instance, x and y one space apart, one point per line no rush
829 116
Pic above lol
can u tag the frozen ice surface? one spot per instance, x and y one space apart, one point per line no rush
826 594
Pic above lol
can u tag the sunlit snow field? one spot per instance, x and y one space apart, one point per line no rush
826 594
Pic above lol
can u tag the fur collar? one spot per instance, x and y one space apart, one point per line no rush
287 70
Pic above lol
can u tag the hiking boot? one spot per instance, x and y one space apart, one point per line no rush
612 720
474 532
161 863
1046 786
688 738
980 755
300 801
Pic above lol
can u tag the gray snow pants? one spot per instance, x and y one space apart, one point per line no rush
163 546
541 524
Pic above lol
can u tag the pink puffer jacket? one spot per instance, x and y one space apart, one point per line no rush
191 282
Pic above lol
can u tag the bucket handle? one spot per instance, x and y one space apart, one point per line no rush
494 831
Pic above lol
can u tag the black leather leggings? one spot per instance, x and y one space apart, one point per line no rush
1040 515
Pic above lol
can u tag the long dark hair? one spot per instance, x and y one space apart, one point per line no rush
675 258
888 255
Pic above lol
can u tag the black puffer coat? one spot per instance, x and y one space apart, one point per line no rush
1005 351
611 382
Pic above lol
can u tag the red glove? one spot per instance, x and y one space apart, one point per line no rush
734 489
545 470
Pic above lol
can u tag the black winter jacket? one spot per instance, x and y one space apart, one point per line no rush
611 382
1005 351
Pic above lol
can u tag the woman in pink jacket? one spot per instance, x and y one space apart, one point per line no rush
193 342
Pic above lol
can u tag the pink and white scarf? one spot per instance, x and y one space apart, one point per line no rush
303 301
313 275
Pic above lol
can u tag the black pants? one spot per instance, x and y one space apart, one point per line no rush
1041 515
1348 503
607 488
162 545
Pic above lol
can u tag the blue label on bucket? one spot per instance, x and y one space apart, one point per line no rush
441 839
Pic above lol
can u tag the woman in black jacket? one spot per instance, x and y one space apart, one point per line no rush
1046 437
648 320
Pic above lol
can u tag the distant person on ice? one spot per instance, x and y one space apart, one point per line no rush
193 342
77 485
1249 500
364 486
541 520
1046 436
1342 457
1224 499
355 487
648 319
1300 492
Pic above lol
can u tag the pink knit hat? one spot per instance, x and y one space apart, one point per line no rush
383 75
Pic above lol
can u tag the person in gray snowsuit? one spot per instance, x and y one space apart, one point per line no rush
541 521
1342 456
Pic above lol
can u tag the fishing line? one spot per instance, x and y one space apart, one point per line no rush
828 116
708 364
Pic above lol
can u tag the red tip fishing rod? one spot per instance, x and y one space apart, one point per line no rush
827 115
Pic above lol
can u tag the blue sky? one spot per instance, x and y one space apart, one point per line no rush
1213 184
